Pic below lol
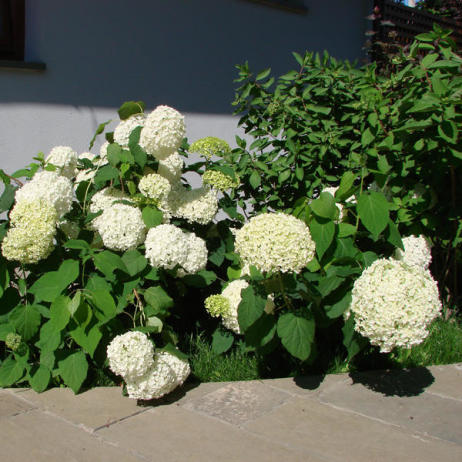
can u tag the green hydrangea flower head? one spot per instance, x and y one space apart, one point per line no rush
217 305
220 180
210 146
13 341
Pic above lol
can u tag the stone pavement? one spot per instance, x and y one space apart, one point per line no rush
413 415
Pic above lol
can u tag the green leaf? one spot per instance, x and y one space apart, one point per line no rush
7 198
448 131
88 338
6 329
108 262
319 109
250 308
337 309
255 180
40 378
296 334
222 341
367 137
323 235
134 262
353 342
345 230
59 312
346 183
329 284
373 209
26 319
50 338
263 74
73 370
51 284
383 164
152 217
114 154
158 298
4 277
130 108
104 304
77 244
392 235
262 331
98 131
324 206
201 279
11 371
105 174
155 323
283 176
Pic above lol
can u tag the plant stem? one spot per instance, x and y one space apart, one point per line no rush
287 301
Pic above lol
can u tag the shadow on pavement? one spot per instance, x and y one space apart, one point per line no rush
309 382
405 382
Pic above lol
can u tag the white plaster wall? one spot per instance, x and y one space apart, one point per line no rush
176 52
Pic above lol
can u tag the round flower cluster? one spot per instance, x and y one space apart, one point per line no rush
198 205
33 227
13 341
171 167
121 227
226 305
394 303
219 180
217 305
209 146
154 186
65 159
167 373
275 242
168 246
104 199
163 132
417 252
103 152
51 187
123 130
130 355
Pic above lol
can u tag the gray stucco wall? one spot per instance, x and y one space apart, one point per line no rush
176 52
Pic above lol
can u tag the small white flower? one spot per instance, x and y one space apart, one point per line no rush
417 251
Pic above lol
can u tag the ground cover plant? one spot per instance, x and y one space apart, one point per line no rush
111 263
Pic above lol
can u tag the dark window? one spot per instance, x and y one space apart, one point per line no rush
12 30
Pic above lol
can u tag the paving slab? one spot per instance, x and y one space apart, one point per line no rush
173 433
398 397
448 381
10 405
338 435
238 402
40 437
92 409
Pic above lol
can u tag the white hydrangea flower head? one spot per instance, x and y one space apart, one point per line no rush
198 205
154 186
163 132
167 373
123 130
51 187
171 167
130 355
121 227
33 212
217 305
210 146
394 303
232 293
275 242
197 255
219 180
104 199
65 159
417 251
33 227
168 246
27 244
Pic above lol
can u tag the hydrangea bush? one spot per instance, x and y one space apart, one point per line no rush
100 254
